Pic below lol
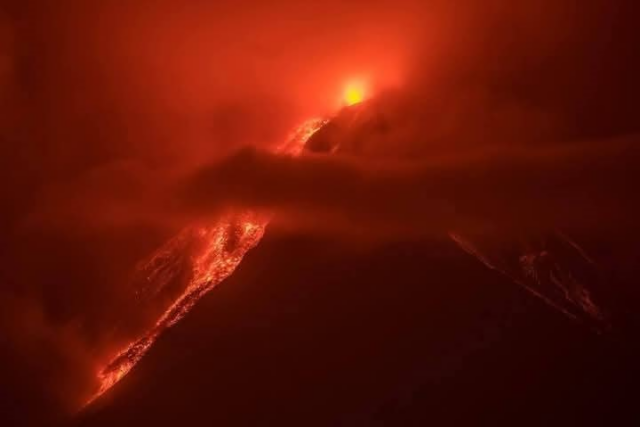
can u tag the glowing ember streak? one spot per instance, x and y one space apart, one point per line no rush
549 269
220 249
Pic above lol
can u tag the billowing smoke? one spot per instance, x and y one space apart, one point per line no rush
121 123
577 187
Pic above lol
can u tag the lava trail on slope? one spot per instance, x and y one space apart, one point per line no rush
551 266
209 254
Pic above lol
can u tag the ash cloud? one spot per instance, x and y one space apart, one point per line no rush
520 115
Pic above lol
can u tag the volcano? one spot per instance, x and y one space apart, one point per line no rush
310 331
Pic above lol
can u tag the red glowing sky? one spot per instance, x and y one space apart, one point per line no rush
121 123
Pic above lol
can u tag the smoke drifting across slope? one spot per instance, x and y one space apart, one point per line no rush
576 187
106 108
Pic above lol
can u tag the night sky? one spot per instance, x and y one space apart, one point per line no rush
513 124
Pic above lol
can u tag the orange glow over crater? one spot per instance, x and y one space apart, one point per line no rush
354 93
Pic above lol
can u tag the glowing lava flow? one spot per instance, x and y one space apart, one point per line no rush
219 250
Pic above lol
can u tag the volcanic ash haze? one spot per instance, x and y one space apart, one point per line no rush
103 105
122 124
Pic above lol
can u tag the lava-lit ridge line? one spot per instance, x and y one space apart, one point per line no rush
576 301
223 247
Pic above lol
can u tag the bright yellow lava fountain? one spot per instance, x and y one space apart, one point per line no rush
354 94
